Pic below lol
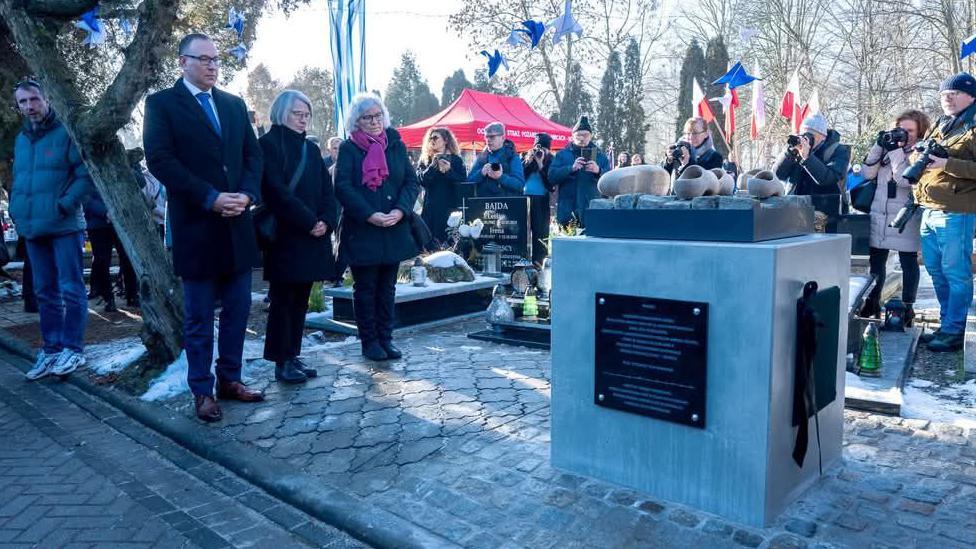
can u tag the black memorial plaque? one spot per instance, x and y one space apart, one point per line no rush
506 220
651 357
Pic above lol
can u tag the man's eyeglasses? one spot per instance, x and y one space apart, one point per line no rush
371 117
204 59
302 115
492 135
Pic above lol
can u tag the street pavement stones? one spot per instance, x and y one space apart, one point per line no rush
70 479
455 439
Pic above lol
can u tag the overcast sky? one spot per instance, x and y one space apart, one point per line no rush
285 44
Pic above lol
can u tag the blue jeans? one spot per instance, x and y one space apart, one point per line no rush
59 285
947 248
199 296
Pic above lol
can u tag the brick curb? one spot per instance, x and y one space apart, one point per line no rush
348 513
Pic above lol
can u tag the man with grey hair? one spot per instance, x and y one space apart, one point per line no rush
497 170
200 145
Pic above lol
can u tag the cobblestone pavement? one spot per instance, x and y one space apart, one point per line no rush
69 479
455 438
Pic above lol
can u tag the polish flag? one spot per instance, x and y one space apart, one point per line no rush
790 106
812 106
758 121
699 103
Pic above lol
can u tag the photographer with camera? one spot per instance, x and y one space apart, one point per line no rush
497 170
440 172
814 162
535 164
695 148
887 160
575 171
946 191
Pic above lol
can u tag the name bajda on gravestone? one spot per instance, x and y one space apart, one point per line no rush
505 225
651 357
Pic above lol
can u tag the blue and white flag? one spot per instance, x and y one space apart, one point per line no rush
94 26
235 20
968 47
494 61
347 22
565 24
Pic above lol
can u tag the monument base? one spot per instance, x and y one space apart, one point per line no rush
733 456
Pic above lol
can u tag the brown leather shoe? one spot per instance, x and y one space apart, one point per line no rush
207 408
235 390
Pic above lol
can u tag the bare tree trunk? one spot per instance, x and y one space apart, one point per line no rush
93 129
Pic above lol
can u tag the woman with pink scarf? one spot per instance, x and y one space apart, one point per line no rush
377 187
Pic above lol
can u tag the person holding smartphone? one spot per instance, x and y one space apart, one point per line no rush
497 170
575 171
440 172
536 162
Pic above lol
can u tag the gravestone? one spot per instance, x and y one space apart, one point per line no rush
506 220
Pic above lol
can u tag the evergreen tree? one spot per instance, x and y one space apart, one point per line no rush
577 100
318 85
610 108
692 68
261 91
716 65
408 97
453 86
634 127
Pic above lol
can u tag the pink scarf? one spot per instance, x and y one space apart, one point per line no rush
375 169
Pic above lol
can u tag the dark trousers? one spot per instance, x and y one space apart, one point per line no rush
286 320
199 296
373 298
539 222
103 241
910 274
59 284
27 282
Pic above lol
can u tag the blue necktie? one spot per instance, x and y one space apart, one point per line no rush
204 99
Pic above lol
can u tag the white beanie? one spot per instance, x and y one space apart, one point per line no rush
815 123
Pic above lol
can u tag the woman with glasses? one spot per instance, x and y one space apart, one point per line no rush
696 149
297 190
377 187
440 172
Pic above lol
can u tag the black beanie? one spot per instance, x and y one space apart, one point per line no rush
963 82
583 125
543 140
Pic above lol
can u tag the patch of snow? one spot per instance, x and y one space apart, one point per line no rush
863 389
920 404
920 383
470 348
312 347
171 383
258 296
444 260
114 356
324 315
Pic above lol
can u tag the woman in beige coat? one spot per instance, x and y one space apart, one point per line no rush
886 161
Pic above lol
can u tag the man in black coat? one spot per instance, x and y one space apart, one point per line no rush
200 145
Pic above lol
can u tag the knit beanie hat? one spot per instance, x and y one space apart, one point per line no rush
963 82
583 125
815 123
543 140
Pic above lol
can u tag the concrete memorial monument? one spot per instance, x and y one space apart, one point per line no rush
674 377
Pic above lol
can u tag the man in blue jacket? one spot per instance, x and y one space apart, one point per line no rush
50 185
497 170
575 171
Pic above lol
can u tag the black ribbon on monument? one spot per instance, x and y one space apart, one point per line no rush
804 390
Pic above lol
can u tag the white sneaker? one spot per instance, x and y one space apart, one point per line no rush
68 361
42 366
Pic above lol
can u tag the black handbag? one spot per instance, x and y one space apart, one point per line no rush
863 195
265 223
420 232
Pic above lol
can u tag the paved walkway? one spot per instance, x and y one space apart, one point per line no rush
455 439
71 479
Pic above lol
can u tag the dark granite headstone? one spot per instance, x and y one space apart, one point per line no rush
506 222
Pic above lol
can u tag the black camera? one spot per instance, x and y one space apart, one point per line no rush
905 214
794 140
676 150
927 149
539 153
495 166
893 139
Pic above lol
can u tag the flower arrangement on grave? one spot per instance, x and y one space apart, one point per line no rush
462 236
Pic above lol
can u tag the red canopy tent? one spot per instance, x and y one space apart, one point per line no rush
467 116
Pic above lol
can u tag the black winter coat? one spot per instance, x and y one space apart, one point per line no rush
443 194
194 163
296 255
817 174
360 242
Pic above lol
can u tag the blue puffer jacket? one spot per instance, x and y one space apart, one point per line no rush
576 189
50 181
512 179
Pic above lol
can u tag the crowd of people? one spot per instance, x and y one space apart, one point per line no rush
230 200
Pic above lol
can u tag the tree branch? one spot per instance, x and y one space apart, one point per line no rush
60 9
152 43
